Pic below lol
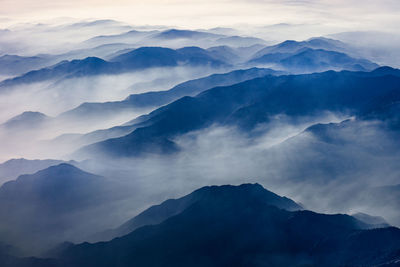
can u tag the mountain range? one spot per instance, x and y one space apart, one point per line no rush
154 99
141 58
109 111
313 55
253 102
151 146
236 226
159 213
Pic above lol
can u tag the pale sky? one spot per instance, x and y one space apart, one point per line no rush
347 14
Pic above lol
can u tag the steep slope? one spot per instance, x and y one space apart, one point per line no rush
243 230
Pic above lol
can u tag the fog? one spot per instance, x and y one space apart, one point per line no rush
79 38
52 98
379 46
327 176
26 39
207 14
338 166
322 174
55 97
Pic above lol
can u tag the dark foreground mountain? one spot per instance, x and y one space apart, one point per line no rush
157 214
42 209
240 226
256 101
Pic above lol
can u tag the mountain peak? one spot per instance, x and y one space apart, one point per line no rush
63 168
62 171
89 61
247 192
230 231
27 117
386 70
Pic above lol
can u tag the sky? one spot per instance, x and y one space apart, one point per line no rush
331 14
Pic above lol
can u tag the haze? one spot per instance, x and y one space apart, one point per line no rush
320 16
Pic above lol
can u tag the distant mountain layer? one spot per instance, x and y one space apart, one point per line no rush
146 57
16 65
290 46
253 102
98 112
311 60
69 69
107 44
31 118
159 98
13 168
240 226
141 58
317 54
174 36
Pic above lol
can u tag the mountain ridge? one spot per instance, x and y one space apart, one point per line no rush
251 102
241 231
